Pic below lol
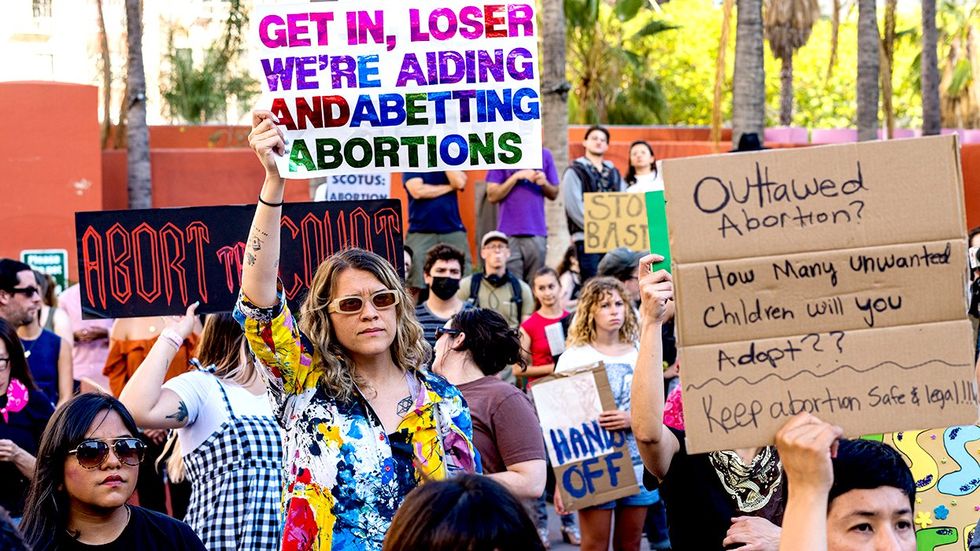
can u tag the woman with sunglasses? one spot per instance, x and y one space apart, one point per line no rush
364 422
226 440
86 471
24 411
471 349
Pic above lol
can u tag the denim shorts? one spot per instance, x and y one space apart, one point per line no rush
645 498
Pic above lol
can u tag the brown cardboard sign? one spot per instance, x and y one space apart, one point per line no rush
616 219
592 465
829 280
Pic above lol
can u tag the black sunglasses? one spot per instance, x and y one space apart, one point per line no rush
92 454
440 331
28 291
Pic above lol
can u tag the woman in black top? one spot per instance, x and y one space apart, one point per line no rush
86 471
720 500
24 410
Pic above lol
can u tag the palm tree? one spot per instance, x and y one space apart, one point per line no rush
959 94
887 67
868 70
554 103
748 90
726 18
137 133
930 70
788 24
611 83
104 61
834 37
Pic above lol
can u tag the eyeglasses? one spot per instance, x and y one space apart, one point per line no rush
91 454
354 304
4 364
496 248
28 291
440 331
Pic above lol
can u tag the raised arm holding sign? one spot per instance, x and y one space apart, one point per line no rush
827 280
347 382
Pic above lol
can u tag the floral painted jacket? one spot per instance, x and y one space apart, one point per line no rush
344 477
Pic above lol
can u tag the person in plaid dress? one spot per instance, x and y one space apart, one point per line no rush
226 443
364 423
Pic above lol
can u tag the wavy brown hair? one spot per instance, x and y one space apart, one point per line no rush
409 349
583 329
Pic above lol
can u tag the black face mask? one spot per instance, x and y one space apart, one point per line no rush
444 287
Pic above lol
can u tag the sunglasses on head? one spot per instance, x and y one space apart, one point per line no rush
353 304
440 331
92 453
28 291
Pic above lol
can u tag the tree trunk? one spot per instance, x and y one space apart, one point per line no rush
720 71
834 37
786 92
137 133
749 92
554 91
868 71
106 76
930 70
887 67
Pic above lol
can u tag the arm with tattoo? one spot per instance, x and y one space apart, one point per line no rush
152 406
260 268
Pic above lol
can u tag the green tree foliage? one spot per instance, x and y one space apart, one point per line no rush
682 64
199 93
610 78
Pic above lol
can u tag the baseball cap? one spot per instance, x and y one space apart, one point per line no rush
493 236
619 263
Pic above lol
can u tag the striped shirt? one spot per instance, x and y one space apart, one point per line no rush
430 322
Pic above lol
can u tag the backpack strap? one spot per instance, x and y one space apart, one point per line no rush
515 285
475 281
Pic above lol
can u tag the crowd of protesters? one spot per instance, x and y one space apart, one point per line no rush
396 414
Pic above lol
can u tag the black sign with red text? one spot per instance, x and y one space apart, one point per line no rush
154 262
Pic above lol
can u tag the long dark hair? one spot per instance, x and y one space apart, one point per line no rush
15 350
631 172
467 512
489 340
46 510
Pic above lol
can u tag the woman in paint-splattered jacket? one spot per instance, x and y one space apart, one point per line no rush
363 423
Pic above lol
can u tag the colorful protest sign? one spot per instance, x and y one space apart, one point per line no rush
945 467
615 219
157 261
354 187
363 86
53 262
592 465
829 280
657 223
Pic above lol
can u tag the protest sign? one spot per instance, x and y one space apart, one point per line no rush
657 223
370 85
354 187
158 261
944 464
829 280
615 219
592 465
53 262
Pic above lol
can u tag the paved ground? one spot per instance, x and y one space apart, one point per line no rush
555 527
